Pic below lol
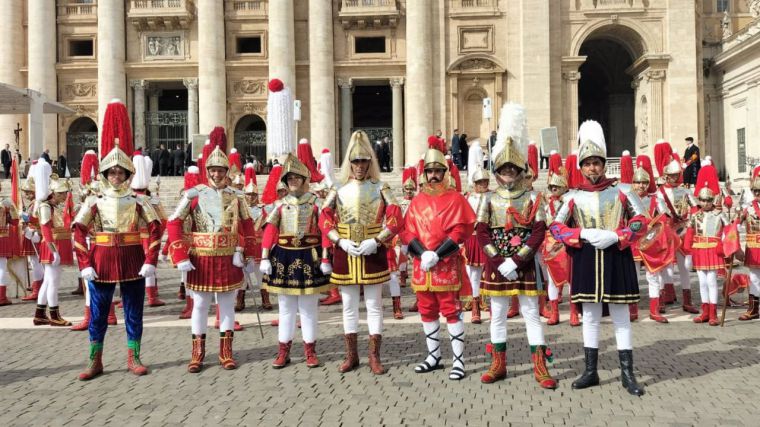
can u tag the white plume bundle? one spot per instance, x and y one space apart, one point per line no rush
281 126
326 167
143 168
591 132
474 159
41 174
512 124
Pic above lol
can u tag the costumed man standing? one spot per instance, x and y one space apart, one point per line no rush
116 255
680 202
511 228
409 188
553 252
359 216
192 179
140 182
31 238
438 220
598 222
691 162
8 243
291 247
55 211
220 248
475 259
750 216
258 216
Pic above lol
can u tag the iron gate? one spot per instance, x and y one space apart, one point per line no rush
165 127
76 145
252 144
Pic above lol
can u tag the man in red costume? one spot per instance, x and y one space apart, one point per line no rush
438 220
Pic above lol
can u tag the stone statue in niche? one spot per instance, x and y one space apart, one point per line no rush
164 46
725 24
754 8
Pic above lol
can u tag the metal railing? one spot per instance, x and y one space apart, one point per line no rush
246 8
74 8
368 3
156 6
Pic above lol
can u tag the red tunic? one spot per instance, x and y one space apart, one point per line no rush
56 235
8 233
438 213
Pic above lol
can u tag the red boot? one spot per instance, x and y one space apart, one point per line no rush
514 307
134 365
669 294
654 311
375 364
540 371
198 354
633 312
283 355
85 323
714 321
95 366
310 351
554 315
112 315
187 312
542 311
3 298
225 351
476 311
153 300
397 313
687 306
240 300
574 321
498 369
331 299
265 303
36 285
704 316
181 293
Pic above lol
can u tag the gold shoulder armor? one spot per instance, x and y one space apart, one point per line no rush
274 216
484 209
388 196
332 196
538 198
148 213
243 207
84 214
44 213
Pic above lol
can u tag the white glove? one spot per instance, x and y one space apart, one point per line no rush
428 259
404 249
237 260
688 263
56 260
326 268
508 269
147 270
368 247
35 237
185 266
265 267
250 267
350 247
28 233
600 239
88 274
684 165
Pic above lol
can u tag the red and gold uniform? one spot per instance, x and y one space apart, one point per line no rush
750 216
8 244
438 220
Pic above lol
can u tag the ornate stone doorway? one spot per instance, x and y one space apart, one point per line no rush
81 136
251 138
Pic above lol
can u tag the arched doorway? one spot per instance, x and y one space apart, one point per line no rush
81 136
605 93
251 138
474 125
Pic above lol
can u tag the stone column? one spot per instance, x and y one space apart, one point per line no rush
153 108
656 78
281 39
571 79
139 87
397 88
12 54
346 113
212 79
192 107
419 78
321 76
112 79
42 73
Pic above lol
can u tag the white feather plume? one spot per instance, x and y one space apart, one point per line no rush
41 174
512 124
474 159
281 126
591 132
327 168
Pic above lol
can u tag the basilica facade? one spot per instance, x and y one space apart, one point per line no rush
402 69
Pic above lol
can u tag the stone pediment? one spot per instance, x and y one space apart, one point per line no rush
475 64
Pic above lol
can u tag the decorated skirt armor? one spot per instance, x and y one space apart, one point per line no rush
473 252
607 275
511 224
292 242
56 236
221 225
113 218
553 252
360 210
8 231
703 239
657 248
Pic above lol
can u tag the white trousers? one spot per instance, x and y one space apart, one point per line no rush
373 299
290 306
474 274
50 284
592 318
394 285
754 281
683 273
654 282
708 286
37 270
201 304
552 288
17 266
529 310
150 282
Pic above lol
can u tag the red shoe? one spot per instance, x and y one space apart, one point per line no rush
540 371
498 369
112 315
85 323
310 351
654 311
36 285
283 355
514 308
397 313
542 309
633 312
704 316
153 300
554 315
187 312
332 298
225 351
574 321
275 322
668 294
198 354
3 298
134 365
476 311
95 366
687 306
714 321
375 364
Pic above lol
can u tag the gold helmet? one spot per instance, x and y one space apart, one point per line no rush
238 179
672 168
359 147
116 157
512 138
592 142
558 179
435 156
217 158
641 175
480 174
58 185
28 185
293 165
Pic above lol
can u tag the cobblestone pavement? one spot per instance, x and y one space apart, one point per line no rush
693 374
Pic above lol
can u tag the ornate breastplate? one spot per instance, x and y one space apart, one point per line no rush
511 206
475 199
680 198
360 202
257 215
116 214
600 209
216 211
708 224
752 222
297 215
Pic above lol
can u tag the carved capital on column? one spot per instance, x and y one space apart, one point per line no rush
397 82
571 75
655 75
190 84
345 83
139 84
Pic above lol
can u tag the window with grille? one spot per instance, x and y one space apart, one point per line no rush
721 6
742 148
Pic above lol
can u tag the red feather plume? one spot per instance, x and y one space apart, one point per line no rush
116 125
